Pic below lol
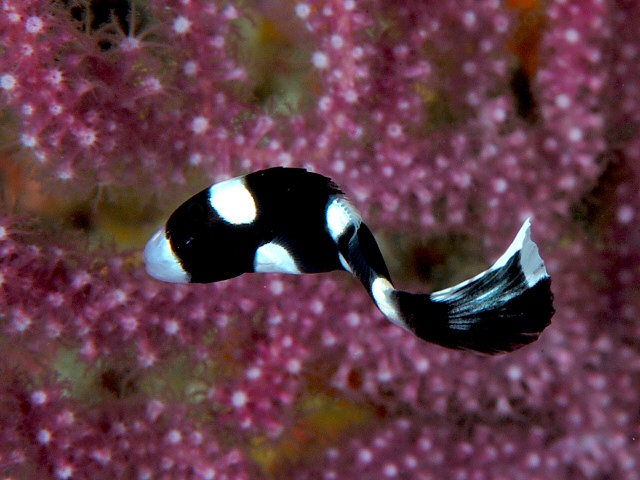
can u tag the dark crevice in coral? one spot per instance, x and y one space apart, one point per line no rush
437 258
520 415
438 261
595 210
272 46
355 380
99 12
80 219
118 382
598 214
93 15
525 102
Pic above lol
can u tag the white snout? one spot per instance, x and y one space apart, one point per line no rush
161 261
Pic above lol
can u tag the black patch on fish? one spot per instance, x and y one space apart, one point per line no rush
210 249
498 312
292 212
361 251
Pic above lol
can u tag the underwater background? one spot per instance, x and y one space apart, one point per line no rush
447 123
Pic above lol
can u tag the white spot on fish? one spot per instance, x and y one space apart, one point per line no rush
340 215
274 258
233 202
381 289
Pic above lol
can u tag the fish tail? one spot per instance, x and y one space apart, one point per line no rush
499 310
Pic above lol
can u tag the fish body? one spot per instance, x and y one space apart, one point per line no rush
289 220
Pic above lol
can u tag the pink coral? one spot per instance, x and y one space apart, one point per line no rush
413 109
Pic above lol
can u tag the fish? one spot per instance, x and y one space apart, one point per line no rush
290 220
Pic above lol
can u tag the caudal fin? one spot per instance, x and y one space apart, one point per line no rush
499 310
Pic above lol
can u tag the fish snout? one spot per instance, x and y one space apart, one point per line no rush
161 261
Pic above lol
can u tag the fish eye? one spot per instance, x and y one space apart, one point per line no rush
196 212
185 245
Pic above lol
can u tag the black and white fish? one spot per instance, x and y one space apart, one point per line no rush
288 220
